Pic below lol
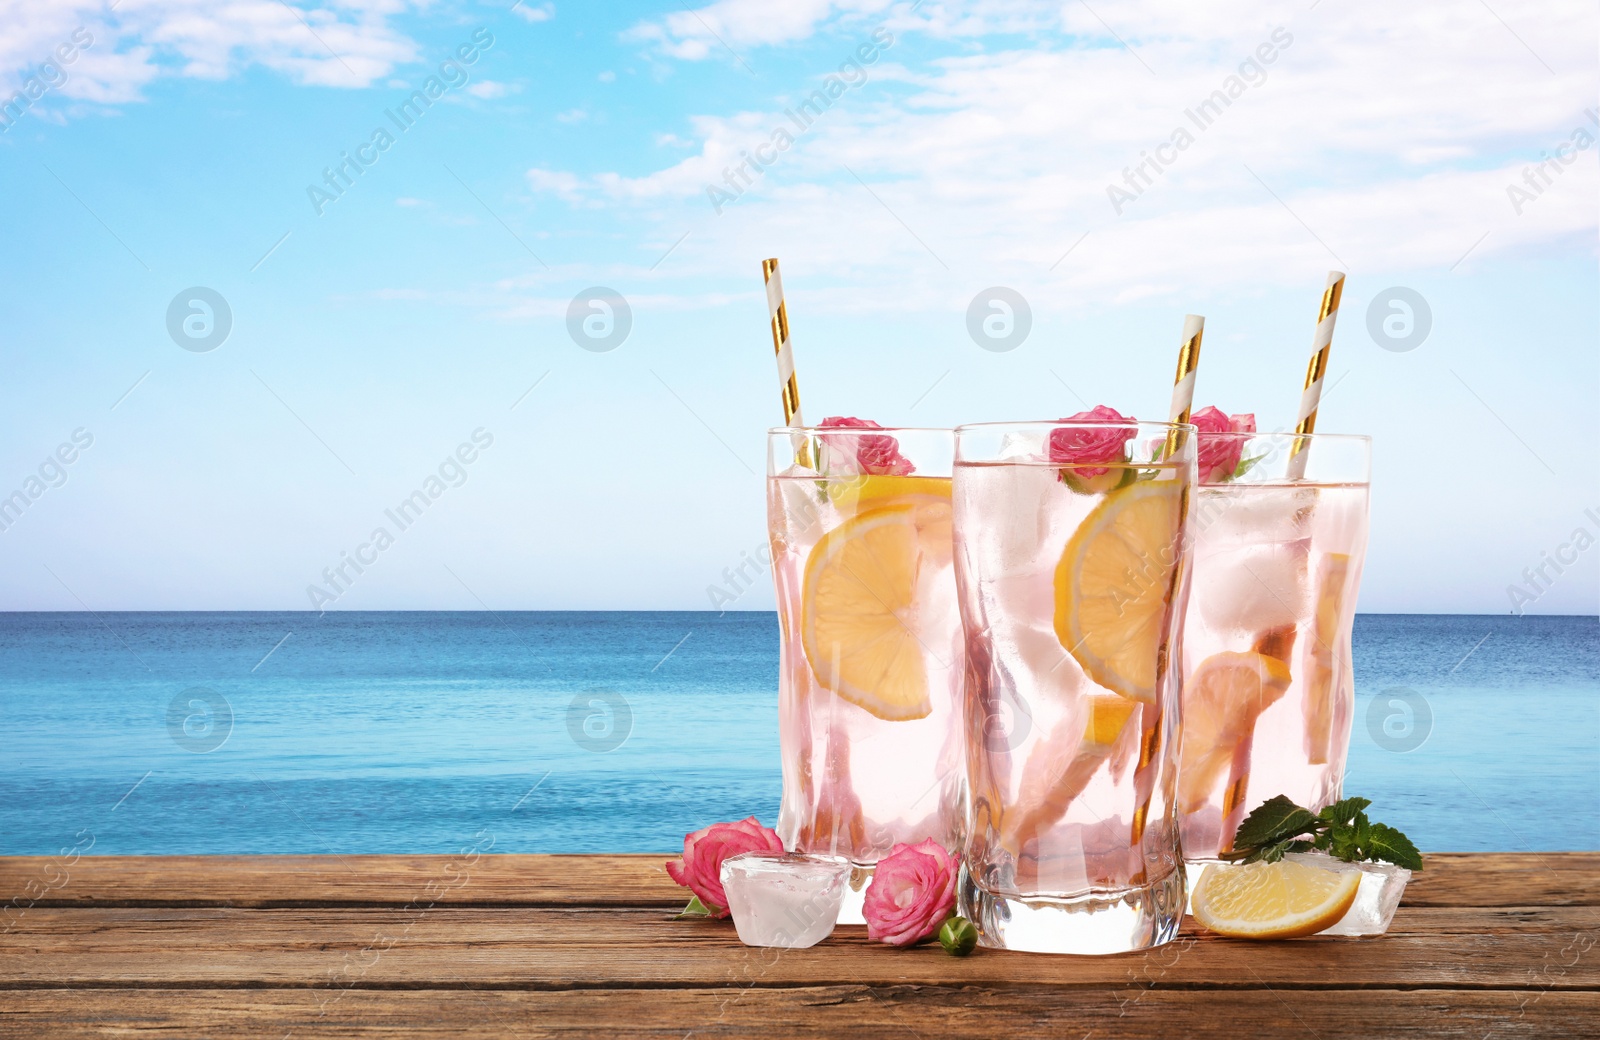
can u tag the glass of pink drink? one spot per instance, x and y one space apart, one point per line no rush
871 651
1071 562
1268 692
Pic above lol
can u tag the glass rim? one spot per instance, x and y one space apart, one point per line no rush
830 431
1349 438
1084 424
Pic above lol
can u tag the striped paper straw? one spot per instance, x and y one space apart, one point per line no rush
1321 343
788 386
1194 327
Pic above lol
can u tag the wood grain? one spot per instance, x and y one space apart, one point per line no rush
1485 945
1452 879
868 1012
554 949
273 881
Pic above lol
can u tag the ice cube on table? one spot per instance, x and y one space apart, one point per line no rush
1382 884
785 900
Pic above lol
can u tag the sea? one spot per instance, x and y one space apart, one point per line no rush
400 732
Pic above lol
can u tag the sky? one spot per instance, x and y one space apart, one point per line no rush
271 267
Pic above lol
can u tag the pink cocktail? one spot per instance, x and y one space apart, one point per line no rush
871 652
1070 557
1268 690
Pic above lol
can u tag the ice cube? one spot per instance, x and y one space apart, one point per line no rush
1255 588
1022 446
785 900
1381 887
1245 514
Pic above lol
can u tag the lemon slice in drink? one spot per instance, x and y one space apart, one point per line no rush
853 494
1113 582
1107 717
859 621
1333 575
1221 702
1279 900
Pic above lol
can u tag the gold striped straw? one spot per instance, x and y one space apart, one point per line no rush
789 387
1194 327
1321 343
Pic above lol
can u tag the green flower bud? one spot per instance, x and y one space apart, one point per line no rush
958 936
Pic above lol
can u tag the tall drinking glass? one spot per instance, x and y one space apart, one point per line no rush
1267 686
871 651
1071 563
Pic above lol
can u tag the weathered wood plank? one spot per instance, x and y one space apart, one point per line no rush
1452 879
1506 879
834 1011
484 880
1547 947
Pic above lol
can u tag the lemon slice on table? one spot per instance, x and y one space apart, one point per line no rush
1113 582
1220 705
858 623
1279 900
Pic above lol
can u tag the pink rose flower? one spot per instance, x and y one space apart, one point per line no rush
865 452
700 869
1219 456
913 891
1076 447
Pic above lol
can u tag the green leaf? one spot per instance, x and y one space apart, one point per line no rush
1342 830
1343 845
1245 465
1270 853
1265 853
1391 846
1344 811
1275 820
695 909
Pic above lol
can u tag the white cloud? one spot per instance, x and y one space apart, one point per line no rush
694 34
407 203
1393 145
534 13
334 43
572 116
567 186
489 89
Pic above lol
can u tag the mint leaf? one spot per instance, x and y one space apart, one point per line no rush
1341 830
1390 845
1275 820
1269 853
1342 843
1246 465
1344 811
694 909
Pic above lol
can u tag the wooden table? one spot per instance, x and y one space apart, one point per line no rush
1484 946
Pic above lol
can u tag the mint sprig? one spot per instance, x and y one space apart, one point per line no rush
1342 830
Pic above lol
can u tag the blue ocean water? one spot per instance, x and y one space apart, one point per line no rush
578 732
